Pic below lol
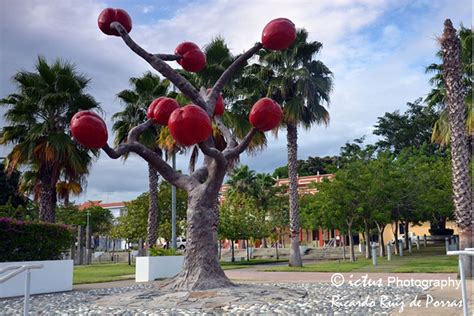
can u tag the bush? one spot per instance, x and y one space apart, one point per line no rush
29 241
154 251
441 232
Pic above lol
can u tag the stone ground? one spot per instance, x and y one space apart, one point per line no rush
256 293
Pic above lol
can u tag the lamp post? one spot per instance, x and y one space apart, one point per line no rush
88 238
173 208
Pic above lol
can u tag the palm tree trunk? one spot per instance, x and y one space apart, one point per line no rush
292 143
452 73
152 229
47 205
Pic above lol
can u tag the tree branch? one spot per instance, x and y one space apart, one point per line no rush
209 150
138 130
168 57
237 150
162 67
225 77
229 138
166 171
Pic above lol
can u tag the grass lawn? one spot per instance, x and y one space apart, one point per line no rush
246 264
426 260
103 272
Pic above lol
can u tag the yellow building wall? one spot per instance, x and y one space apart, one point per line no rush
419 230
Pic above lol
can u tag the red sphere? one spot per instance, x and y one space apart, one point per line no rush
265 114
163 110
89 130
110 15
151 108
189 125
219 107
278 34
184 47
193 60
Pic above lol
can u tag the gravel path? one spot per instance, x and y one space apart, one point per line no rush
248 299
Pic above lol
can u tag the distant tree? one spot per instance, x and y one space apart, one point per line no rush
136 102
9 193
100 219
241 218
133 224
38 115
413 128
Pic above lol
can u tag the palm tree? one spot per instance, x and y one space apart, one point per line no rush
242 180
39 115
136 102
437 97
455 99
301 85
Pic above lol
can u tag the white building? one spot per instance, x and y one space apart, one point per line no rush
117 209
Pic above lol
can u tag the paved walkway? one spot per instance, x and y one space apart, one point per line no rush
442 298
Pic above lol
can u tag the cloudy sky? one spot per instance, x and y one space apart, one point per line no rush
377 50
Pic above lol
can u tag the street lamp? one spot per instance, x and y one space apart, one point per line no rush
173 208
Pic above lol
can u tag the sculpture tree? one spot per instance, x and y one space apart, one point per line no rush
190 125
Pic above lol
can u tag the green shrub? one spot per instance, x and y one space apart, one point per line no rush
29 241
441 232
154 251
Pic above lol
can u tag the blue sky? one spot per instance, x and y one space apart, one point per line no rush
377 50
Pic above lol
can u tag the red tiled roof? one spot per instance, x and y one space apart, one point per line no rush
98 203
303 182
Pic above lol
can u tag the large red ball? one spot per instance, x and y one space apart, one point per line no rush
184 47
190 125
163 110
110 15
219 108
265 114
278 34
151 108
89 130
193 60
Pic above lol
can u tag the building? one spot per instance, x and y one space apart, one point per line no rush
117 209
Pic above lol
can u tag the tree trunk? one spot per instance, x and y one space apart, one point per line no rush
460 156
367 239
351 243
47 205
395 233
152 228
343 247
381 228
201 268
247 248
292 140
232 257
407 226
276 250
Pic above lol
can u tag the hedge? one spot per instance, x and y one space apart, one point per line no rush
30 241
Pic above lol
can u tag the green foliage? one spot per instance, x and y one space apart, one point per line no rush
154 252
133 224
29 241
100 219
310 166
28 212
241 218
436 98
410 129
9 193
38 115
